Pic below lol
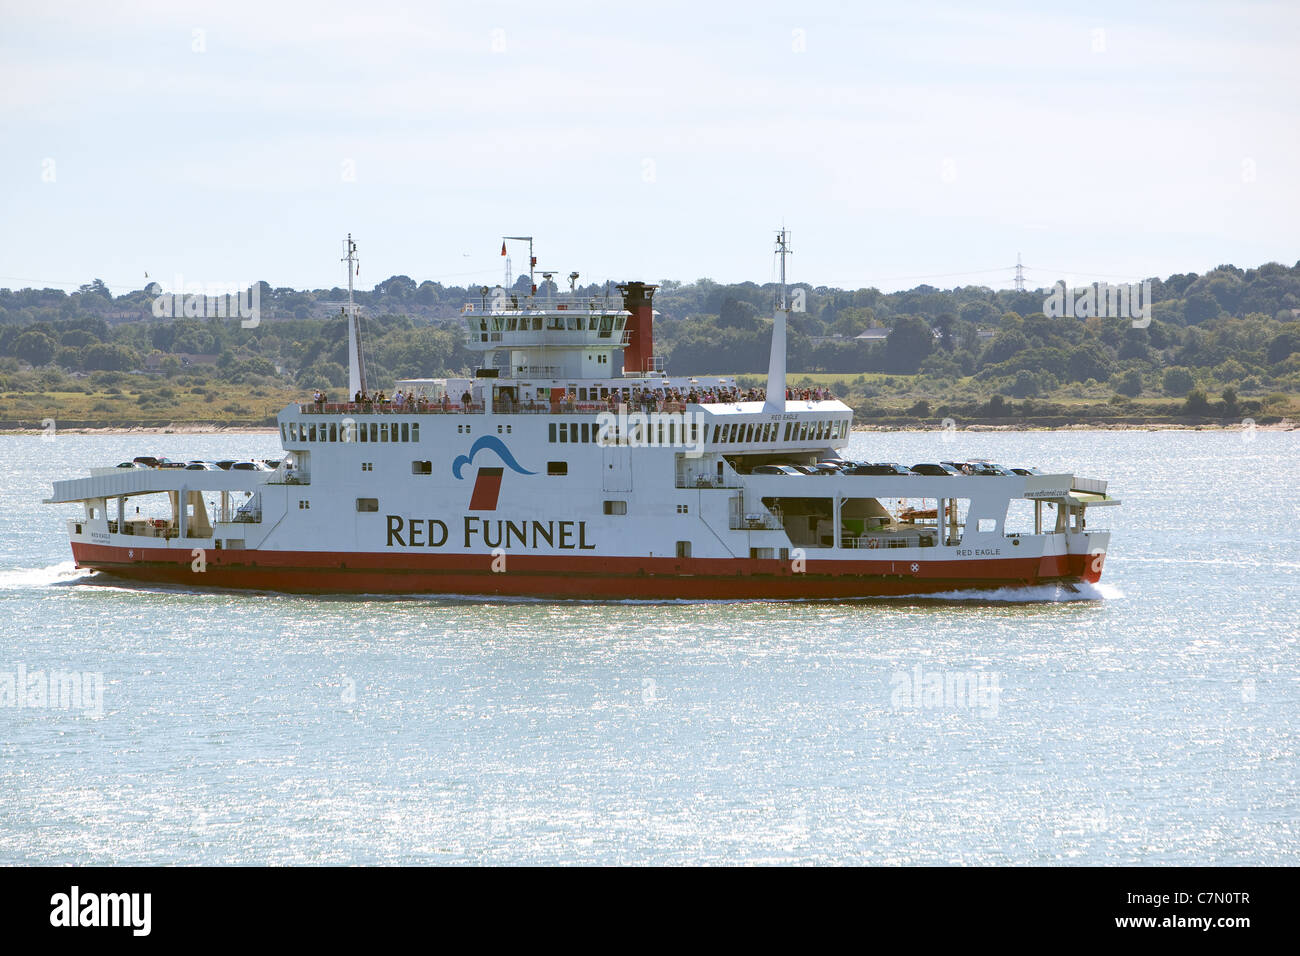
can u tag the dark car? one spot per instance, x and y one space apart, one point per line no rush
149 461
979 467
168 463
774 470
1025 471
225 463
879 468
930 468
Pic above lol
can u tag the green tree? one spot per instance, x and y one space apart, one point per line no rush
1197 403
1025 385
110 358
908 345
1177 381
1129 383
35 347
1089 361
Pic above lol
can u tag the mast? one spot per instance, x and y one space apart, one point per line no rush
356 362
776 362
532 259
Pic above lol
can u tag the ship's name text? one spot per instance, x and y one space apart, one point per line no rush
490 533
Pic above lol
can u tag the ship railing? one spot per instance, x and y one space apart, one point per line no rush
562 407
391 408
886 541
758 521
289 476
495 301
143 528
705 479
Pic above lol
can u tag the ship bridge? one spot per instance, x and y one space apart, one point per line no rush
561 336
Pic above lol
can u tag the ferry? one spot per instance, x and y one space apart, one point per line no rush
571 465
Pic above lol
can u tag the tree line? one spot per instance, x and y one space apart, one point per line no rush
1230 327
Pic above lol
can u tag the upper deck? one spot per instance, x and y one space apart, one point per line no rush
549 322
556 335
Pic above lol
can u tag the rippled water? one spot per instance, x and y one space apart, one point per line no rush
1152 721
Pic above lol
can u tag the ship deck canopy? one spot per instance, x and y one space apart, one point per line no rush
130 483
1089 499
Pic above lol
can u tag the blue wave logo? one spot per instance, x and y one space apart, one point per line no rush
492 443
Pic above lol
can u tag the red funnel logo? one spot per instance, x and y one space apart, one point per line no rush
487 486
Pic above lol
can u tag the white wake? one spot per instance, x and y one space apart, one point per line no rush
25 579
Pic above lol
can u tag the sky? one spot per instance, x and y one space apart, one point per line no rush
900 143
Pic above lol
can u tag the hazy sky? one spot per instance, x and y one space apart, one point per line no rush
899 142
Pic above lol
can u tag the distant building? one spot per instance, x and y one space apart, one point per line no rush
873 335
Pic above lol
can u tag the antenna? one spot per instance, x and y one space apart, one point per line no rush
775 401
1020 275
356 362
532 259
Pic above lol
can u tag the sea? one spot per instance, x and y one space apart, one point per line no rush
1150 719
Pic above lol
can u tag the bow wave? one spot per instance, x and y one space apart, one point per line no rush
494 444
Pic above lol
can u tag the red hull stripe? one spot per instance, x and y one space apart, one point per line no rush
575 576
